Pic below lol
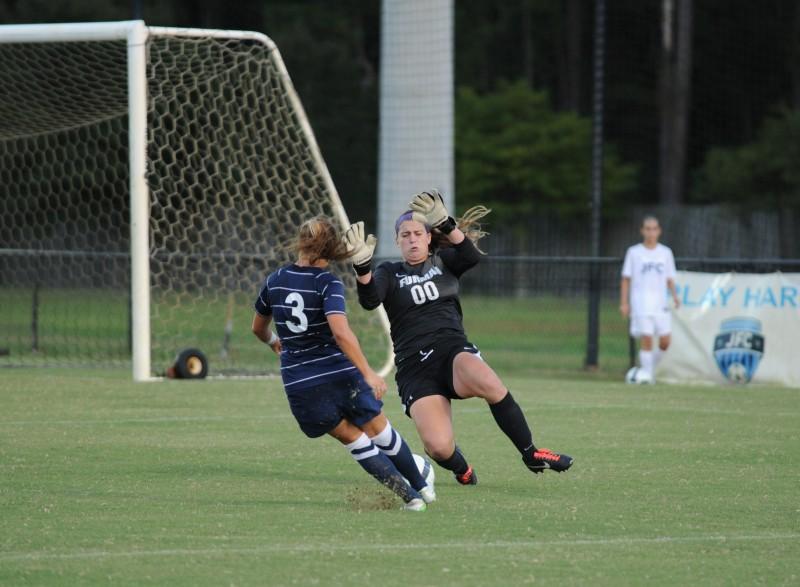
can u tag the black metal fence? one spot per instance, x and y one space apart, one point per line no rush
533 311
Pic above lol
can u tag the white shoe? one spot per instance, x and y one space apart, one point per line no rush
415 505
428 493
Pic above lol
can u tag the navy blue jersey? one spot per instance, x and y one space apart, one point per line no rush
299 299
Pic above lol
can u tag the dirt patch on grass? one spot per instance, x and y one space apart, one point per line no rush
371 499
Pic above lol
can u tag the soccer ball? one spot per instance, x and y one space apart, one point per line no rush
425 469
637 376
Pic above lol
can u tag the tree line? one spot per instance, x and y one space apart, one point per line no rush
702 99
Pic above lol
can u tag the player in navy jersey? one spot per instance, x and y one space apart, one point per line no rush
435 361
329 384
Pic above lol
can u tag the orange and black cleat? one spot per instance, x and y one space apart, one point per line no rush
469 477
543 458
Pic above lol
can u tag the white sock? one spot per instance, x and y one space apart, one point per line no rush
657 354
362 448
388 441
646 361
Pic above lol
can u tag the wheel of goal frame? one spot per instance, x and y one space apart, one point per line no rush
191 364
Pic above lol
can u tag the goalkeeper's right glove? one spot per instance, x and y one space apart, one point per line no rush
428 208
359 248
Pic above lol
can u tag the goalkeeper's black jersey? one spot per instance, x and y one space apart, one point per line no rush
421 300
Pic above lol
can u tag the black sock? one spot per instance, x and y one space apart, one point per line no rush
511 420
455 462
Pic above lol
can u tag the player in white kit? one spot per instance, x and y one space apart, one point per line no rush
648 273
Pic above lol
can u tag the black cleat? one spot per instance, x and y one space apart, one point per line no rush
543 458
467 478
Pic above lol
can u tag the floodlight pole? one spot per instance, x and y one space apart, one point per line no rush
136 10
592 344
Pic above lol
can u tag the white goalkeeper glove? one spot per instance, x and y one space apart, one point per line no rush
359 248
428 207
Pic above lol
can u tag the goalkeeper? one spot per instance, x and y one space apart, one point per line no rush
435 361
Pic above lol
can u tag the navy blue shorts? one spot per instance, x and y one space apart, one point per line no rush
319 409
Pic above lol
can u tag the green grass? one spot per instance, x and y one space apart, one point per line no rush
529 336
103 481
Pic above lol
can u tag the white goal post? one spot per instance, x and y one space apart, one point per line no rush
221 166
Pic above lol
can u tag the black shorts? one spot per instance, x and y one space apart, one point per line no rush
431 373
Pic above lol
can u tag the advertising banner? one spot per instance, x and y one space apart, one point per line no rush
735 327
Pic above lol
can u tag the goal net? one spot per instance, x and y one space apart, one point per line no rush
183 155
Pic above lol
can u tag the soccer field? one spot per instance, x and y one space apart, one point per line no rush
210 482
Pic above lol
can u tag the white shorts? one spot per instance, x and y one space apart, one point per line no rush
650 325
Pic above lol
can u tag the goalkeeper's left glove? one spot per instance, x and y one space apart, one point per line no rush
359 248
428 208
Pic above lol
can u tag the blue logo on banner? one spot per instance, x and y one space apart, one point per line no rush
738 348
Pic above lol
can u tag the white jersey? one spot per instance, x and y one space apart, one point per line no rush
649 270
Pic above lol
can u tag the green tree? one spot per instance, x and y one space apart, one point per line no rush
332 54
515 154
761 174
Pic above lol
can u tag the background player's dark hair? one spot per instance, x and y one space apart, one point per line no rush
318 239
468 224
647 217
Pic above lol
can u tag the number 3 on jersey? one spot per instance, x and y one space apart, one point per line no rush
422 293
295 300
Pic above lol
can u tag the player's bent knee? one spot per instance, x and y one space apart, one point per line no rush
345 432
494 394
439 451
487 389
376 425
